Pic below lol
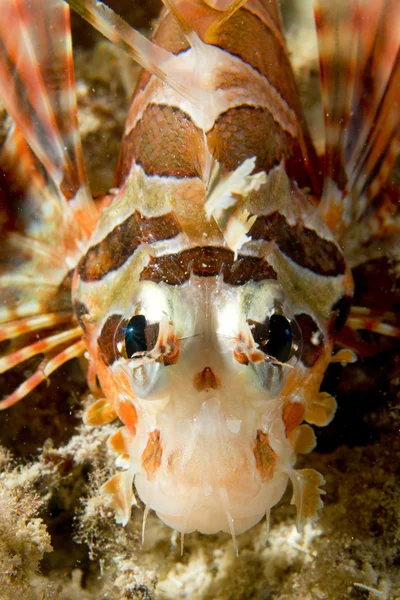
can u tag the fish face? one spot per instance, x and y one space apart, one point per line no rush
217 373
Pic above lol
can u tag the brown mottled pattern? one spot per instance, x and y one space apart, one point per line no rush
301 244
310 351
165 142
265 456
106 339
233 138
115 249
207 261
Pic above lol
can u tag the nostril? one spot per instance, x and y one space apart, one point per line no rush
206 380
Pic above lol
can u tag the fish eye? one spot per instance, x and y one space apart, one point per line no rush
280 340
274 337
136 336
135 339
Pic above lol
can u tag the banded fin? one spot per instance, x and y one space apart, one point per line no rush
44 187
37 87
42 373
306 494
359 48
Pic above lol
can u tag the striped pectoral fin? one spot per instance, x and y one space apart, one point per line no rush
377 321
361 319
42 373
306 494
119 491
38 89
360 73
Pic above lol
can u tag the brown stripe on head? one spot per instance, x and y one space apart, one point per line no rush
312 339
233 139
207 261
302 244
233 36
165 142
115 249
106 339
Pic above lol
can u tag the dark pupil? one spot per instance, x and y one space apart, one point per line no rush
280 338
135 340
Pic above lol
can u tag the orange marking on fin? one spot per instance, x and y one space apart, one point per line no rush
152 454
321 410
293 414
99 413
265 456
302 439
119 490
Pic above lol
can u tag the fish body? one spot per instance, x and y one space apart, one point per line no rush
210 288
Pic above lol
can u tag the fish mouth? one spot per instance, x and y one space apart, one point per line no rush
208 479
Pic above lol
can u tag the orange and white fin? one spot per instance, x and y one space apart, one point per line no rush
306 494
303 439
321 410
99 413
42 373
359 47
344 355
119 492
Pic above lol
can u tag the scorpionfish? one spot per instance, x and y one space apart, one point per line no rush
207 289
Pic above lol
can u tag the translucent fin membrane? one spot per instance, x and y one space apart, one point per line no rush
147 54
359 51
